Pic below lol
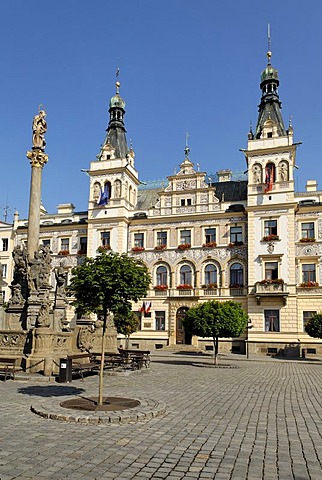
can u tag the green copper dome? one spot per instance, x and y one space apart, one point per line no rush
117 101
269 73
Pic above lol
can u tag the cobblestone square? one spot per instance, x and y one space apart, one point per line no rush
261 420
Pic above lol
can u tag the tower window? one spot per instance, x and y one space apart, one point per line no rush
105 239
269 134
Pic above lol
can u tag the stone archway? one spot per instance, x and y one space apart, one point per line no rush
182 336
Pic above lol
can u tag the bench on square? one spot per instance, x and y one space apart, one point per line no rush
111 359
8 367
82 362
136 357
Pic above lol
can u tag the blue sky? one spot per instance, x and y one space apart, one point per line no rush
186 66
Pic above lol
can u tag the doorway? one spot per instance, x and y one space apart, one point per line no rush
182 336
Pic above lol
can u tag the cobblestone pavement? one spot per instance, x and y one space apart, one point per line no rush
261 420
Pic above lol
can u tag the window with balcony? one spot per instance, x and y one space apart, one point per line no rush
308 273
236 235
307 231
306 317
272 320
160 320
185 237
210 275
5 244
271 270
236 275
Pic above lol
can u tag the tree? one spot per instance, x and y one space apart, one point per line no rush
126 323
108 284
216 319
314 326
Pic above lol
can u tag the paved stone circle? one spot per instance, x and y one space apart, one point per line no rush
261 421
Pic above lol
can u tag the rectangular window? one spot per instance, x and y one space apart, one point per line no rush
308 272
183 202
105 239
271 270
306 317
210 235
160 320
83 244
272 320
139 240
5 244
185 236
307 230
64 244
4 270
236 234
188 201
270 227
161 239
46 242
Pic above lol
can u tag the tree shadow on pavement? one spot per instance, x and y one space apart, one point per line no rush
50 391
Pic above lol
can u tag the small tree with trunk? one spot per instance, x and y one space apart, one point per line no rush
126 323
217 320
314 326
108 284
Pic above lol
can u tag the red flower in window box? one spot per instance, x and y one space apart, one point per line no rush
160 247
275 281
309 284
184 246
160 287
235 244
184 286
210 245
63 252
81 252
210 286
270 238
138 249
103 248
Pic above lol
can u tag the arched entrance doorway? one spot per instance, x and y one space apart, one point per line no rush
182 336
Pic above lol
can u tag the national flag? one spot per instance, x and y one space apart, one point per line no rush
104 196
269 178
146 307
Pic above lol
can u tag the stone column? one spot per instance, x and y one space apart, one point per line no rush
37 161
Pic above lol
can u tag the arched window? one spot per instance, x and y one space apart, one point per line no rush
162 275
236 275
185 275
210 274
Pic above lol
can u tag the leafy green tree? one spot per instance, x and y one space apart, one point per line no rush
314 326
217 320
108 284
126 323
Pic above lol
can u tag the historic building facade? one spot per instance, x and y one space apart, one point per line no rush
254 240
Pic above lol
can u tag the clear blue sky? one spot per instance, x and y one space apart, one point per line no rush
186 66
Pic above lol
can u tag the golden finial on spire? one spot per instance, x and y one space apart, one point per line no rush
117 74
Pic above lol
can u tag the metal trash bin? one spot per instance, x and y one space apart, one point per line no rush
65 370
303 352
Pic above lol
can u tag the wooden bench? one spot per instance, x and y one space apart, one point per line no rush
111 359
82 362
138 358
8 367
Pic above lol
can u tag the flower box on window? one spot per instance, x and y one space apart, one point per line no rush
210 286
160 247
184 286
307 240
270 238
184 246
63 252
235 244
210 245
268 281
236 285
161 287
81 252
309 284
138 249
103 248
